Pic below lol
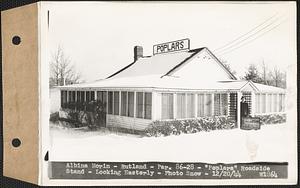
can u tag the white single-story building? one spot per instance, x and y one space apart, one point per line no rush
174 85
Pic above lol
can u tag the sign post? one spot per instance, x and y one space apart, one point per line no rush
250 123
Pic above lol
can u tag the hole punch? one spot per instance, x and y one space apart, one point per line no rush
16 40
46 158
16 142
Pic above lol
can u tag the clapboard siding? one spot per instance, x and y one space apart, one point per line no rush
126 122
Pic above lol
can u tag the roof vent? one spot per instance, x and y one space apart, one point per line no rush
138 52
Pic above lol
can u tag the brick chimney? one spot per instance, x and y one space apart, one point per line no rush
138 52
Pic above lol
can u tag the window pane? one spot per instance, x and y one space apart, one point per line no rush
224 104
62 99
181 106
78 96
190 105
92 95
200 112
130 104
99 95
283 102
123 103
269 103
69 96
82 96
217 102
73 96
116 102
257 103
110 102
275 103
167 106
148 105
87 96
139 105
208 105
263 103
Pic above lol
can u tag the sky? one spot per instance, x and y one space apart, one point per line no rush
99 37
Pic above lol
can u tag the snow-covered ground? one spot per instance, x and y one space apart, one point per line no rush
228 146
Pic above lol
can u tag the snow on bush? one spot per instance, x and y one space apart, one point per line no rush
272 118
91 114
187 126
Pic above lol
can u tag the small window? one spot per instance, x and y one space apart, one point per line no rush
87 96
200 112
110 102
217 103
190 101
257 103
224 104
167 106
78 96
82 96
123 103
139 104
208 105
263 103
130 104
148 105
116 102
181 105
92 95
275 103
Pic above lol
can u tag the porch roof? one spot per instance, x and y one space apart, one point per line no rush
169 82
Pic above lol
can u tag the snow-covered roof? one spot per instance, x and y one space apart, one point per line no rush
169 82
159 64
154 72
268 89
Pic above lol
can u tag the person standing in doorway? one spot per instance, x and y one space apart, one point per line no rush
244 107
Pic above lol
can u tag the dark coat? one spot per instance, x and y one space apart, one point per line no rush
244 109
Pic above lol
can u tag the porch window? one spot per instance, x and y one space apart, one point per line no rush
200 112
221 104
281 103
82 93
139 104
92 95
270 103
275 103
116 102
130 104
190 100
123 103
87 96
257 103
78 96
101 97
181 105
148 105
167 106
208 105
110 103
263 103
63 95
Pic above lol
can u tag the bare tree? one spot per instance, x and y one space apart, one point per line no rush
264 73
278 78
63 72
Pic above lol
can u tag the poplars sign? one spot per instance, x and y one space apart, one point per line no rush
179 45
